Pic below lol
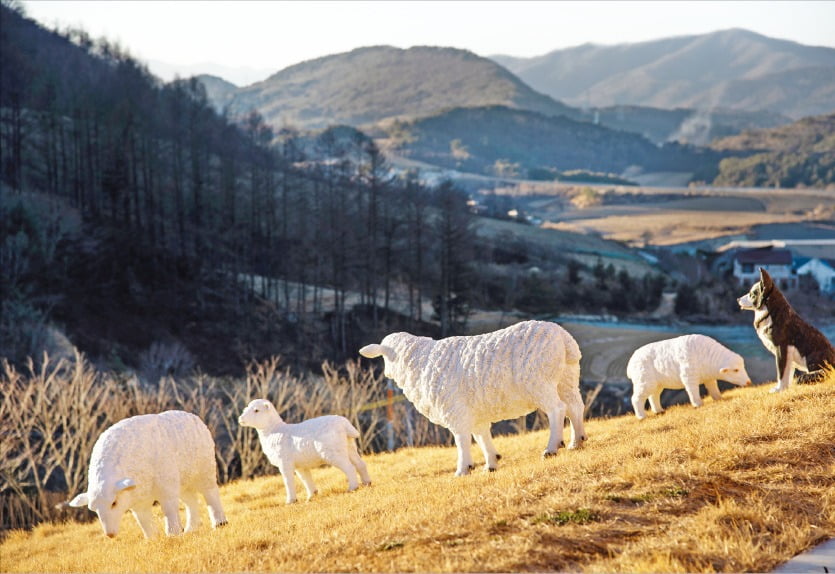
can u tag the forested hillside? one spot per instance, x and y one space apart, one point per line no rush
514 143
133 215
152 230
799 154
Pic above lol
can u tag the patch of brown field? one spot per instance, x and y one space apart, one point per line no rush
740 484
673 226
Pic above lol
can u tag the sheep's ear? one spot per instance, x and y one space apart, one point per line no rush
80 500
125 484
725 370
374 350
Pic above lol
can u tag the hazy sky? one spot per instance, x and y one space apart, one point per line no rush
269 36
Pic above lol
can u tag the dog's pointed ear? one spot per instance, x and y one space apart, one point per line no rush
765 277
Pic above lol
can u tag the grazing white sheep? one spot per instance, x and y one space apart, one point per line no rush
466 383
682 362
163 458
299 447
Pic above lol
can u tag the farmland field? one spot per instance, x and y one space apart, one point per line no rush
667 217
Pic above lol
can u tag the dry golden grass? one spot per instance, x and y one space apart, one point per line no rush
741 484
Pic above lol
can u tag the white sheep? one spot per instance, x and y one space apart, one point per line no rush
163 458
466 383
682 362
299 447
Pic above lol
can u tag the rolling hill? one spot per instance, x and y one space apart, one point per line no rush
735 69
505 142
714 489
371 84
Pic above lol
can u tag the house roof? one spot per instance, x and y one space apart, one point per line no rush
826 262
765 256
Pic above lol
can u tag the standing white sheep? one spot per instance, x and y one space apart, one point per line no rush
466 383
144 459
682 362
299 447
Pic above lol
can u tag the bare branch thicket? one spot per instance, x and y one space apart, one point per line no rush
350 393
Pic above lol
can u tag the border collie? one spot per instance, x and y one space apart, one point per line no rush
794 342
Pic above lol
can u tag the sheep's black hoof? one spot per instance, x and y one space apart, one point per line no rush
547 454
219 524
491 469
562 444
471 467
498 457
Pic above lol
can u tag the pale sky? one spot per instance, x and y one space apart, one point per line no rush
269 36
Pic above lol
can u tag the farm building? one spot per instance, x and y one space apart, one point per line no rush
823 270
777 261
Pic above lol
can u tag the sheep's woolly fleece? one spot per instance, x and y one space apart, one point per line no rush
683 362
299 447
481 379
166 455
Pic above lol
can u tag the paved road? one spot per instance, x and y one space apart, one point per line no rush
821 559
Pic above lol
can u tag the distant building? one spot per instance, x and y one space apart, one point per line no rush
823 270
778 263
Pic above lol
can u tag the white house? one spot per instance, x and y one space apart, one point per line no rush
823 270
778 263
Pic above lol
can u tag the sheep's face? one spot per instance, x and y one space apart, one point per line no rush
109 505
735 373
258 414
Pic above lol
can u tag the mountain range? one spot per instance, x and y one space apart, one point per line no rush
735 69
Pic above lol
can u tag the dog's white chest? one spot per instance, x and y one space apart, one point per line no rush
763 321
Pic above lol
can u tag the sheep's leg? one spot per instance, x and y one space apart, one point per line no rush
192 510
655 402
556 421
359 464
638 402
171 510
288 471
712 387
485 441
216 514
345 465
691 385
575 415
307 480
463 442
145 518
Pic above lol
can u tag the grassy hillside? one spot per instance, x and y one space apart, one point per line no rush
741 484
733 68
367 85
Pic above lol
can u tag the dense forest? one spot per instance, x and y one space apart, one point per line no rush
193 225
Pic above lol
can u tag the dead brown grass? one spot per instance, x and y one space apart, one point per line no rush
740 484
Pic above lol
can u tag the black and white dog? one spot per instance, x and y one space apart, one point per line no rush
794 342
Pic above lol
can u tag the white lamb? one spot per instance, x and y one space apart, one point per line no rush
466 383
682 362
163 458
299 447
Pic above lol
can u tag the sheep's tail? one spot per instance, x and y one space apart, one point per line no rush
350 431
572 349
